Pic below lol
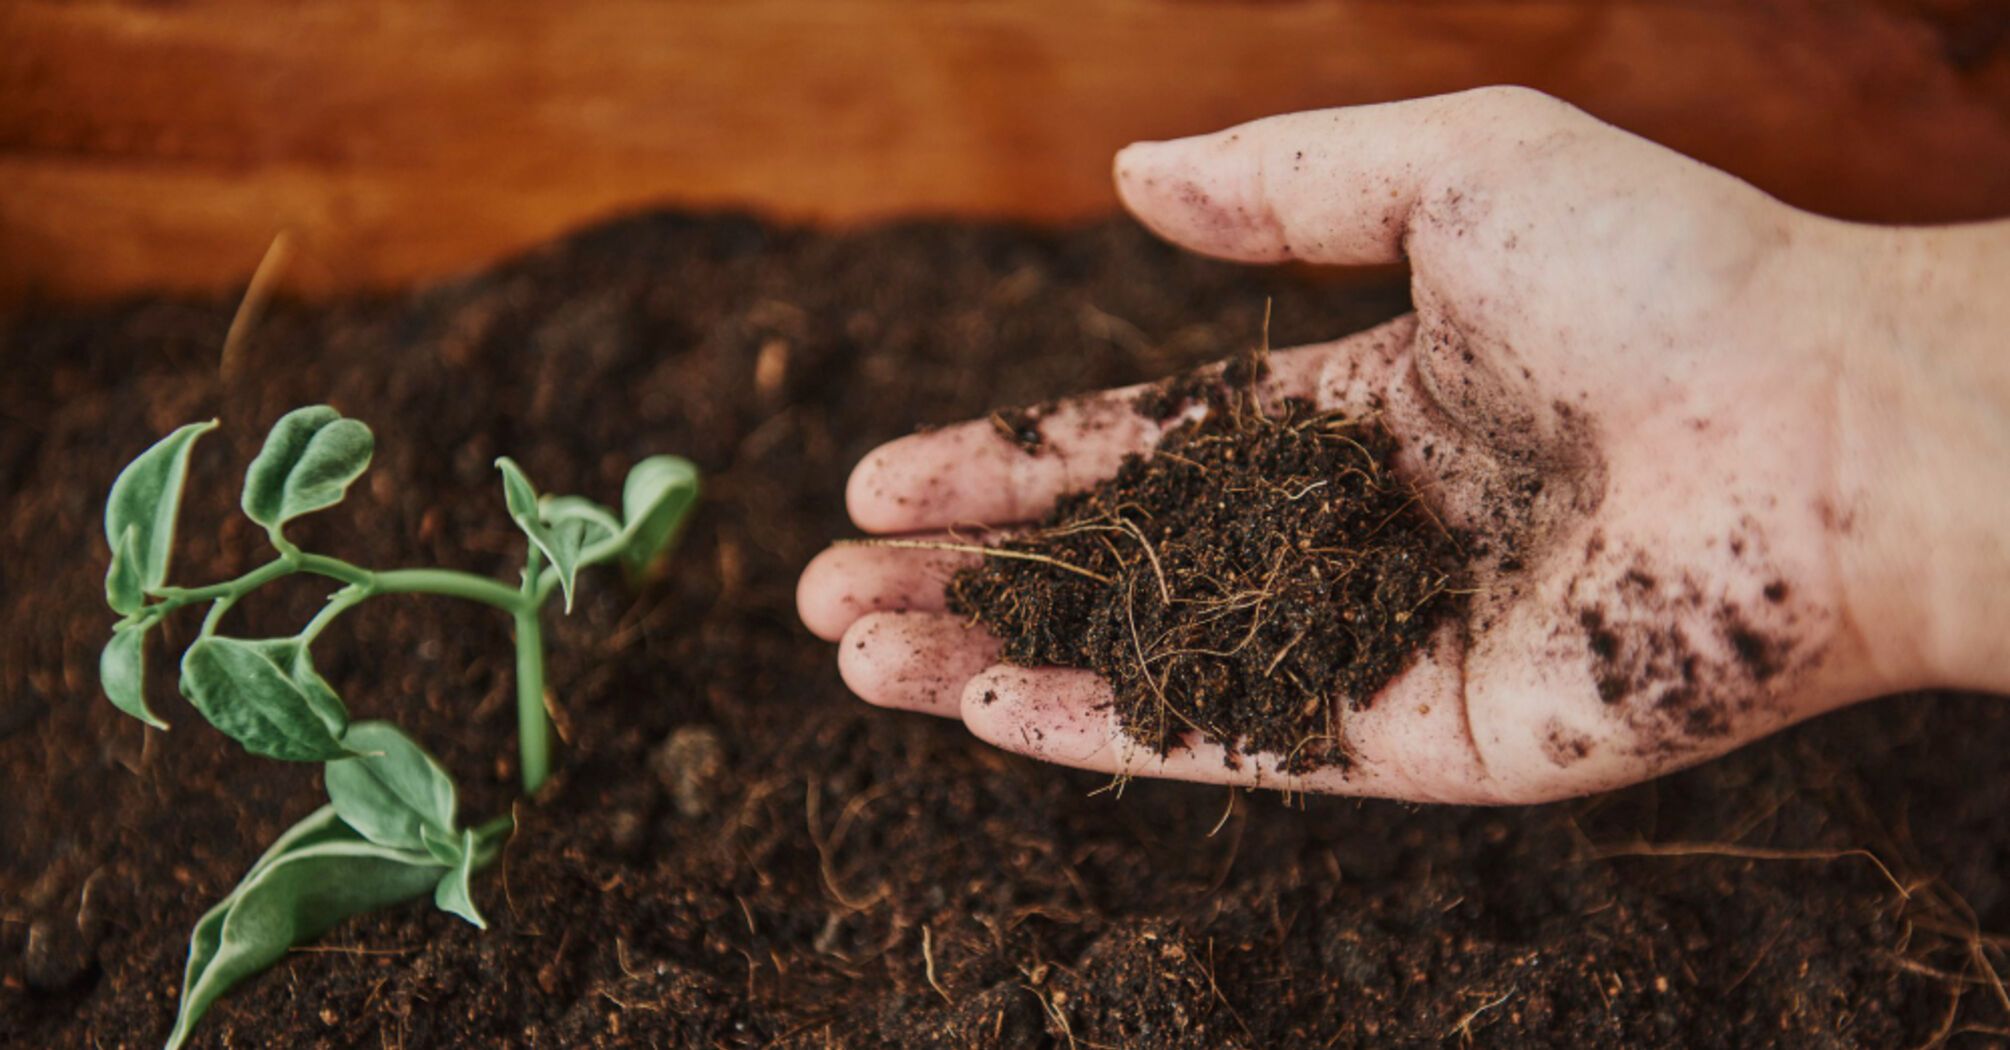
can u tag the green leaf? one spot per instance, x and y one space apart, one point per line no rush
445 846
573 532
309 459
327 706
521 498
265 695
122 671
598 521
575 525
562 551
322 825
146 498
317 874
392 791
123 590
452 893
655 499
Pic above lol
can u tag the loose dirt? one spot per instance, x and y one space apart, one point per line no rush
735 853
1255 576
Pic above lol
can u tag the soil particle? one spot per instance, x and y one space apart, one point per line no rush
1208 385
1247 582
1020 426
1564 746
1684 665
1761 655
691 763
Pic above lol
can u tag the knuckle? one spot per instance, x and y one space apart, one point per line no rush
1519 120
1515 100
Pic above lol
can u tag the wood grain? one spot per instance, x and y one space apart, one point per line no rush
155 146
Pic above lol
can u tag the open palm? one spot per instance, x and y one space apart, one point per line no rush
1622 376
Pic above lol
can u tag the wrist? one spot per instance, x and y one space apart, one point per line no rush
1921 515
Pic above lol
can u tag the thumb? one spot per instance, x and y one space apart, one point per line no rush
1327 186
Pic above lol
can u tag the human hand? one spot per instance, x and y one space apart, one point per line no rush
1691 423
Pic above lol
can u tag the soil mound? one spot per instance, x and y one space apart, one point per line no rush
1256 576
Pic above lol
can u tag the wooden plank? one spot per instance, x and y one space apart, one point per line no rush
160 147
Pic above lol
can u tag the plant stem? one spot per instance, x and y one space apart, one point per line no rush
333 568
547 582
338 603
176 597
522 603
454 585
215 615
533 728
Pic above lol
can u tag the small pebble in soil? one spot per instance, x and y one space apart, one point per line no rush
625 829
690 763
56 955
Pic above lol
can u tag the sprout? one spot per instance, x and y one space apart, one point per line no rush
390 831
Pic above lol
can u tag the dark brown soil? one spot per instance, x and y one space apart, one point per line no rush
734 852
1247 583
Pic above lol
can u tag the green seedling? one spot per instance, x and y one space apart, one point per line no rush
390 831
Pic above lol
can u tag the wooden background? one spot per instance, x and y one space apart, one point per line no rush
161 145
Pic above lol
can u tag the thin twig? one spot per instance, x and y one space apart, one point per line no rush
1464 1029
972 548
1145 668
1165 591
1914 966
252 307
1282 653
1717 849
1995 982
812 806
1233 1013
928 964
1226 812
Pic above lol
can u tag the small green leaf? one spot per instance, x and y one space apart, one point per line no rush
122 671
123 590
575 525
656 497
598 521
452 894
309 459
561 550
392 791
519 496
320 695
265 695
445 846
317 874
322 825
146 498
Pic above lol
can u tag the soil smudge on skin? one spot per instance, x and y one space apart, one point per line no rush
1021 427
1682 665
1248 582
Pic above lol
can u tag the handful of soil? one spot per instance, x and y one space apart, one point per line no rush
1250 581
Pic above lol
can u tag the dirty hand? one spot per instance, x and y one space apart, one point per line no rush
1735 465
